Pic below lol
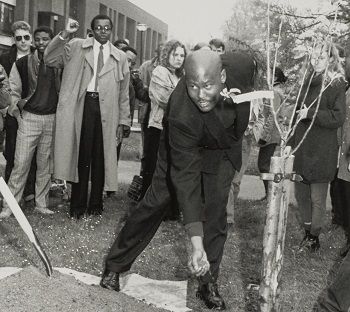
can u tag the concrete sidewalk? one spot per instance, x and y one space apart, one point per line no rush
252 187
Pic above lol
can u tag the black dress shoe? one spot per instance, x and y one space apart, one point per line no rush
211 297
110 280
95 210
94 213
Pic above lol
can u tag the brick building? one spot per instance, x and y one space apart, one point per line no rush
55 13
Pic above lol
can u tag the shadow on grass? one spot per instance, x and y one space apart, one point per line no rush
17 242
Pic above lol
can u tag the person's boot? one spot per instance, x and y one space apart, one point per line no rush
314 243
211 297
305 240
110 280
310 242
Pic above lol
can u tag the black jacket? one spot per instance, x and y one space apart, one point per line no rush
8 58
197 143
316 159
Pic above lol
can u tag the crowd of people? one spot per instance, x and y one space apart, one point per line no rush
69 103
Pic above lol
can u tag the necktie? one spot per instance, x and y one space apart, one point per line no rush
99 65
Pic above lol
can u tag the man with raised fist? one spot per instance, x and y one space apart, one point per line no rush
93 108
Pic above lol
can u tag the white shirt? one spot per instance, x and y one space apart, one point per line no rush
106 54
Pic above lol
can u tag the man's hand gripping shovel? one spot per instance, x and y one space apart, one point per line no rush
23 222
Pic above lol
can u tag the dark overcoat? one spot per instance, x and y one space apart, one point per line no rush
316 159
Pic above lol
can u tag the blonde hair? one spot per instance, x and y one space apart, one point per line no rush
20 25
335 69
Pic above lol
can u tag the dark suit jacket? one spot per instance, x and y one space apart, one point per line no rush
198 142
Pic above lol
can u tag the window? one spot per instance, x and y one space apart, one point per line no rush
73 9
6 18
103 9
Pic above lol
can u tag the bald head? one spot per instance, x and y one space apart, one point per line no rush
202 60
204 78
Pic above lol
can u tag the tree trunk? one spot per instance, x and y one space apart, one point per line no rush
274 234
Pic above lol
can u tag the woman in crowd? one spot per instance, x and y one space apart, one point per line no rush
163 81
316 159
270 137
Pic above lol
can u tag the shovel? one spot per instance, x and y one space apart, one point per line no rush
23 222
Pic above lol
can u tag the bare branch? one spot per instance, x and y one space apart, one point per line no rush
268 72
308 26
273 78
313 16
290 131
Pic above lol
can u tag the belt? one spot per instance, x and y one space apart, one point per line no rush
93 95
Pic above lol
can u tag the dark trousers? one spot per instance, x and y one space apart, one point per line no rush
144 129
337 298
90 156
11 127
340 196
152 138
144 221
311 200
264 161
119 148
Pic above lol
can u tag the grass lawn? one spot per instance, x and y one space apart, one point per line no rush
82 245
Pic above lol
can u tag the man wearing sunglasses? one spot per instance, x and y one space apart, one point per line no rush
22 46
34 91
93 109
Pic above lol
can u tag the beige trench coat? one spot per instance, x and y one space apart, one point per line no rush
76 57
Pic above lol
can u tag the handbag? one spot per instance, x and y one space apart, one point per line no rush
135 188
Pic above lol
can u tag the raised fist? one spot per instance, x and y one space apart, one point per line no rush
72 26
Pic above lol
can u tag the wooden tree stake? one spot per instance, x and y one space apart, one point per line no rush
274 233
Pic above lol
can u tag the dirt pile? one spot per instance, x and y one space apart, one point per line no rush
31 291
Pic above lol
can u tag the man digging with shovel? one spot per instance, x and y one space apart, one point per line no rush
200 150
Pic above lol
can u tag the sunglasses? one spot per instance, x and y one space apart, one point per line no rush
105 28
19 38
